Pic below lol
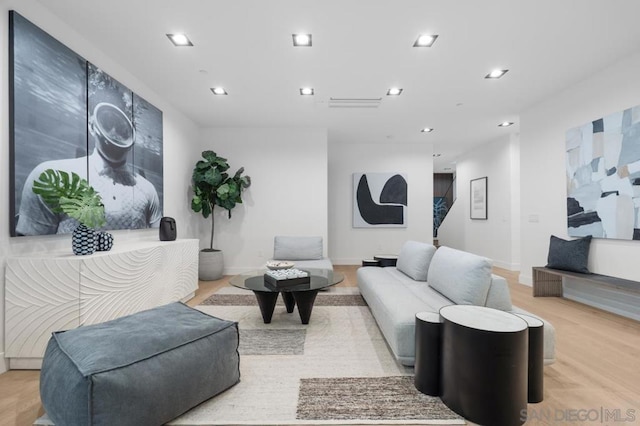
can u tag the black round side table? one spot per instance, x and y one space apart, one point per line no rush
535 391
484 364
370 262
427 364
386 259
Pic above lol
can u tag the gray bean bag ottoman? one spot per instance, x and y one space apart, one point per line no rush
142 369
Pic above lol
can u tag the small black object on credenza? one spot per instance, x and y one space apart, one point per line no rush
168 231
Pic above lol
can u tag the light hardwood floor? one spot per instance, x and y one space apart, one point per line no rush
597 368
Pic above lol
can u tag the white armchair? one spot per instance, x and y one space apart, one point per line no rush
305 252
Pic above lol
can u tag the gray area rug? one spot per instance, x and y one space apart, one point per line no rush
272 342
367 398
284 366
250 300
316 369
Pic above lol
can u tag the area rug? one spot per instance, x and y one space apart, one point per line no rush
366 398
248 299
337 370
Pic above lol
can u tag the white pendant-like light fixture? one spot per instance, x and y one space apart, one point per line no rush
219 91
497 73
180 40
302 40
425 40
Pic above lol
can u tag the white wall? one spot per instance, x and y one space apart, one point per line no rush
181 139
348 245
287 196
495 237
543 185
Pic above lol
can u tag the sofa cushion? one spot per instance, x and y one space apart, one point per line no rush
414 259
394 306
297 248
460 276
569 255
499 296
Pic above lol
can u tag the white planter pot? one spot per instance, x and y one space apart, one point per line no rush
210 265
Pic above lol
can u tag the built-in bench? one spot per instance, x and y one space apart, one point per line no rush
548 282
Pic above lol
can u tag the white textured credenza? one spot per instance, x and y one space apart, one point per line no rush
46 292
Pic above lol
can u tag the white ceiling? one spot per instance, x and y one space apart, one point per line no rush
360 49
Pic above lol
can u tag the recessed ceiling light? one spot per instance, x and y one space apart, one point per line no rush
425 40
394 91
306 90
302 40
180 40
505 124
219 91
427 130
496 73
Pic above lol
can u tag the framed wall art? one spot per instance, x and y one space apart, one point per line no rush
379 200
66 113
478 198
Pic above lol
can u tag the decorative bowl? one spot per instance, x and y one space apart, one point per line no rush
276 265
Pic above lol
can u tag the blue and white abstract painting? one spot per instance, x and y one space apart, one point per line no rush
603 177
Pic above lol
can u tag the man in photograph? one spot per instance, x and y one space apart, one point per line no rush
130 200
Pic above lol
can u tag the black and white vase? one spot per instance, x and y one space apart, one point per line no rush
83 240
104 241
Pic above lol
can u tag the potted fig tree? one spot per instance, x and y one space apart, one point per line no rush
213 186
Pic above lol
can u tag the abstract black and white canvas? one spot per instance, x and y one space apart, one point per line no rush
380 200
68 114
603 177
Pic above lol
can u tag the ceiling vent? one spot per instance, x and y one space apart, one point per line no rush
354 102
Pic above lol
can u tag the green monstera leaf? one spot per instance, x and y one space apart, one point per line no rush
70 194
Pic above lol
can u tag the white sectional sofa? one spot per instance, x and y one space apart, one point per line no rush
426 279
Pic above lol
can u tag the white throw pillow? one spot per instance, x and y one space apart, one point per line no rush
414 259
462 277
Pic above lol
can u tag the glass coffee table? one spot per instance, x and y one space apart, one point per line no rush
303 295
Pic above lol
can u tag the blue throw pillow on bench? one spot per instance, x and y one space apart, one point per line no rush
569 255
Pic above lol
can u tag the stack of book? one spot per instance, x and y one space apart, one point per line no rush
287 277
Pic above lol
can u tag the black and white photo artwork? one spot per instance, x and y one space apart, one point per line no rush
131 201
68 114
380 200
48 118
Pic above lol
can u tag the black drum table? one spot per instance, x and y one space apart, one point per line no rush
484 364
536 358
385 260
427 364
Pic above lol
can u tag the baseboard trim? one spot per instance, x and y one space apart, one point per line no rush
525 279
25 363
506 265
347 261
4 363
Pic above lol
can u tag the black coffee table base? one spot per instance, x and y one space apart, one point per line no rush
304 299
